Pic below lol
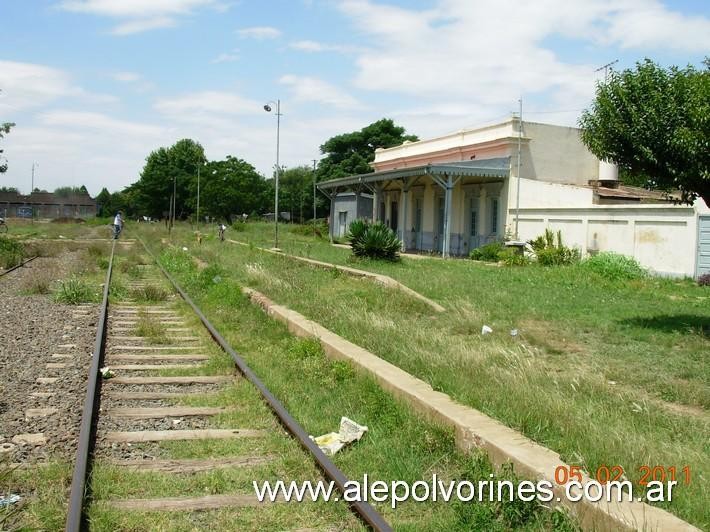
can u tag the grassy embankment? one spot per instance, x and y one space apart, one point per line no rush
603 372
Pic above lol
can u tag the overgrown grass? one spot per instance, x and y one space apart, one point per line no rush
149 294
399 445
604 372
38 282
75 291
11 252
151 329
615 267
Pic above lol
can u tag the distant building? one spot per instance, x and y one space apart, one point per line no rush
454 193
46 205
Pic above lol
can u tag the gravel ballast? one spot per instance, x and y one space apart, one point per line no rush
33 328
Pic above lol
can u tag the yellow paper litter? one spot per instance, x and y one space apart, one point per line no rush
332 442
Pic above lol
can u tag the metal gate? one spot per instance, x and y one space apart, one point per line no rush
703 245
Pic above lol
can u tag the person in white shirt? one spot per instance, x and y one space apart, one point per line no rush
117 224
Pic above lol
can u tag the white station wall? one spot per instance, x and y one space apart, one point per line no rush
663 238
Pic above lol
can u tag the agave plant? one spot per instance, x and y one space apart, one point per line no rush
375 241
356 229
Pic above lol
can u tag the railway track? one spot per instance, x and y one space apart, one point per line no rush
22 263
156 416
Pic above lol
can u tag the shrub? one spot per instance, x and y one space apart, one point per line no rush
11 252
512 257
239 227
489 252
558 256
356 230
551 252
615 267
375 241
704 280
75 291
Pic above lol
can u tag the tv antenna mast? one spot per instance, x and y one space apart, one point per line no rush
606 69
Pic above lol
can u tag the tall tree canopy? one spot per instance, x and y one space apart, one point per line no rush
655 122
296 194
152 192
4 130
351 153
232 187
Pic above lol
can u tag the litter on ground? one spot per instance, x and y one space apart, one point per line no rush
332 442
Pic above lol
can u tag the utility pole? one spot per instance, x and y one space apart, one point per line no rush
198 196
174 198
314 196
32 189
517 195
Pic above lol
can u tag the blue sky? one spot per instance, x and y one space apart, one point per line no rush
95 85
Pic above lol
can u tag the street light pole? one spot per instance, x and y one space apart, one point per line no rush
314 196
267 108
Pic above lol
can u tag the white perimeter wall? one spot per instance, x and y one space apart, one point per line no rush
663 238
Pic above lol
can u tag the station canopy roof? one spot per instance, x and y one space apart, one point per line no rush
497 168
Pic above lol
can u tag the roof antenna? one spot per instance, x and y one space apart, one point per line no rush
606 68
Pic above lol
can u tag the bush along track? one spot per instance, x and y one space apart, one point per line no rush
399 444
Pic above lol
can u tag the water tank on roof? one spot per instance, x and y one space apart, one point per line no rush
608 171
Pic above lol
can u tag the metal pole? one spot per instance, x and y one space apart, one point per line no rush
198 198
174 197
278 171
314 196
32 187
517 195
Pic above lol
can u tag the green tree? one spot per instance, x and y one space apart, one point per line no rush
64 192
296 192
152 192
351 153
232 187
5 128
655 124
8 189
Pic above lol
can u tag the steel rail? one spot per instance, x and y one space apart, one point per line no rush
75 515
18 266
364 510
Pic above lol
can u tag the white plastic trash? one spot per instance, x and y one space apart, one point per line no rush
332 442
10 499
486 330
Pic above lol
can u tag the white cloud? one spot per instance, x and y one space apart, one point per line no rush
315 46
140 15
134 8
228 57
309 89
85 120
207 103
491 52
649 24
259 33
29 85
126 77
144 24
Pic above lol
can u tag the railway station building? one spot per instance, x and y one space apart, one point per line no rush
457 192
